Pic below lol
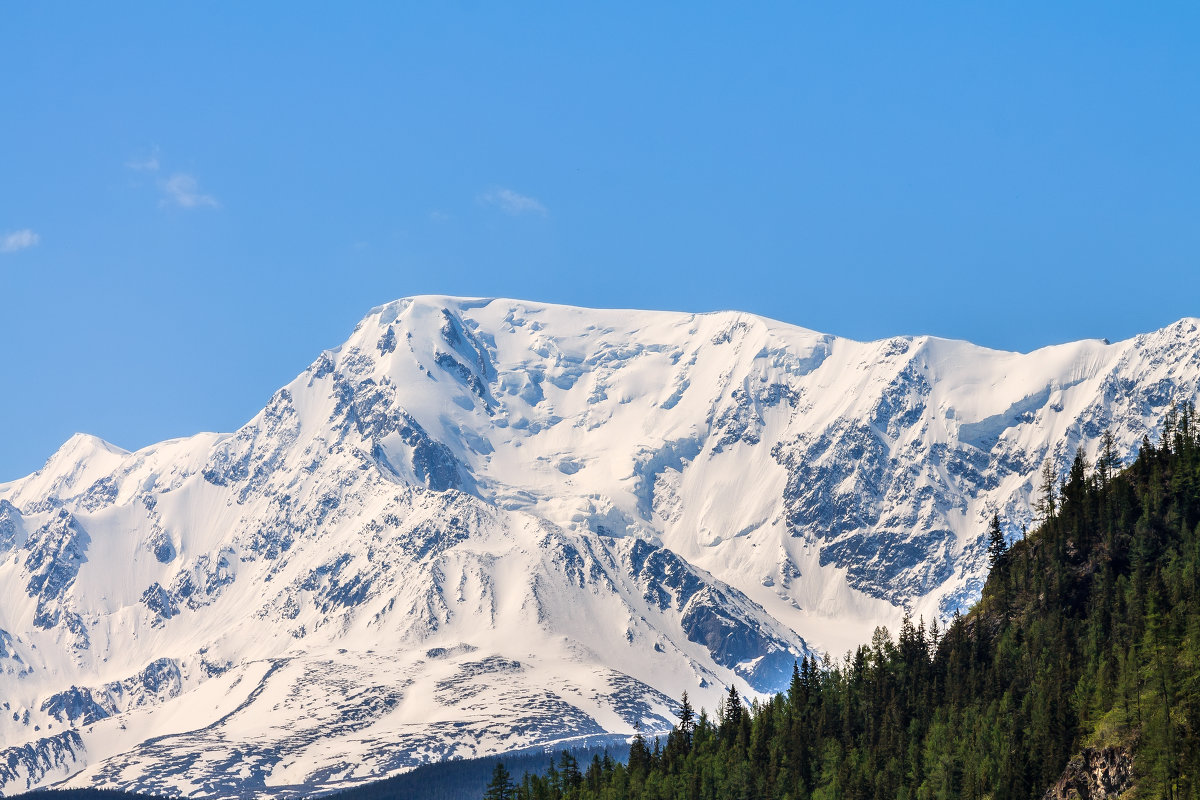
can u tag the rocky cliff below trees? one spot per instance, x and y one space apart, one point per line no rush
1095 774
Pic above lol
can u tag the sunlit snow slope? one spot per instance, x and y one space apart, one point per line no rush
485 525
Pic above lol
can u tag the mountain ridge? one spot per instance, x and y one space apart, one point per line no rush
501 519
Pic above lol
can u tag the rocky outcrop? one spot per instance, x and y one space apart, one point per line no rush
1094 774
158 682
23 766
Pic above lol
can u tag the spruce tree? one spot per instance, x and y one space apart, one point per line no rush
1047 500
997 545
687 722
501 786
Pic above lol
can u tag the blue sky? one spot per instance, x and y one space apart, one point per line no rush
195 199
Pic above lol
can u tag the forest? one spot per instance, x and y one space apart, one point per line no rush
1080 663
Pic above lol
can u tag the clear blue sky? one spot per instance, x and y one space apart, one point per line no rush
196 198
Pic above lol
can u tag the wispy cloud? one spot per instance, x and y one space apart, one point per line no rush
18 240
145 164
511 202
182 190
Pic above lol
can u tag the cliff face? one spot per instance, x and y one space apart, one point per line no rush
1094 774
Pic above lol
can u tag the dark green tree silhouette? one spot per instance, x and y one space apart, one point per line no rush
501 786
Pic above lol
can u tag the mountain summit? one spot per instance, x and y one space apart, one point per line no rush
485 525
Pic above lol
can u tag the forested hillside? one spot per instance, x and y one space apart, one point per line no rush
1077 674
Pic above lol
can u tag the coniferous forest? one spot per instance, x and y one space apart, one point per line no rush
1080 662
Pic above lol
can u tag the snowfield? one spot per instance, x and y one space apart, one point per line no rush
480 526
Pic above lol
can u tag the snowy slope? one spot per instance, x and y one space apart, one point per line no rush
483 525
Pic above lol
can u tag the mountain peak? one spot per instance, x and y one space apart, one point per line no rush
84 444
563 516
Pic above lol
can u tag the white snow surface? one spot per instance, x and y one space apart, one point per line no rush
482 525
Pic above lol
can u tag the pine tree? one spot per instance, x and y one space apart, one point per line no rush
568 771
1047 500
796 686
1107 461
687 722
997 544
731 716
639 754
501 786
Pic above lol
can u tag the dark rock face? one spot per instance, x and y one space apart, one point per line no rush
159 677
1094 774
433 462
663 574
8 649
205 580
272 542
387 342
469 361
370 410
100 494
711 617
428 539
27 764
732 640
456 333
884 522
743 421
56 552
10 526
250 459
78 705
816 496
158 600
162 546
870 557
336 587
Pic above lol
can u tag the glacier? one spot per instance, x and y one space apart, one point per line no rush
487 525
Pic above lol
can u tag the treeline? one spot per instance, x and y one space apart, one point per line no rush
1087 634
455 779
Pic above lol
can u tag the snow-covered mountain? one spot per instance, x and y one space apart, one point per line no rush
485 525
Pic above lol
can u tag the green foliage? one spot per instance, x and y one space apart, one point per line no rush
1088 633
501 786
997 544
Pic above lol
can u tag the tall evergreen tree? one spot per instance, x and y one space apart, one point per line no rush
687 721
501 786
997 544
